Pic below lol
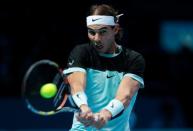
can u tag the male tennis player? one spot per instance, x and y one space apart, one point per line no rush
104 76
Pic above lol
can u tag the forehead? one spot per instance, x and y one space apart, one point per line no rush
98 27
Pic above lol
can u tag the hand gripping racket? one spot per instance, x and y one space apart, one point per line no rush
39 74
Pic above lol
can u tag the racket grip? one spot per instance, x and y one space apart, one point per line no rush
96 117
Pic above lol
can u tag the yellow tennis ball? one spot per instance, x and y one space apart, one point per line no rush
48 90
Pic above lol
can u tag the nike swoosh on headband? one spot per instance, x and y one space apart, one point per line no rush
96 19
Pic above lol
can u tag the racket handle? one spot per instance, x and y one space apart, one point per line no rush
96 117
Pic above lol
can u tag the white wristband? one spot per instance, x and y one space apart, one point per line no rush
80 98
115 107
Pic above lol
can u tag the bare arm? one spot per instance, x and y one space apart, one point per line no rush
127 88
77 81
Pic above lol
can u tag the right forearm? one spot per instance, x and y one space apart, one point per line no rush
77 81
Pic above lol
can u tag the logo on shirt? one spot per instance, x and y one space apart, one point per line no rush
93 20
109 76
71 62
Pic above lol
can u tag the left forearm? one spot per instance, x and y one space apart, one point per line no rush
127 88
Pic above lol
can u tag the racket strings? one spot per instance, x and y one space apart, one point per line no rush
57 78
40 73
59 94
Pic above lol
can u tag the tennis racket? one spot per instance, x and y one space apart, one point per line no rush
39 74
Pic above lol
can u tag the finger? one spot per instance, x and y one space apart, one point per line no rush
96 122
86 120
95 118
100 123
82 114
87 123
81 117
89 116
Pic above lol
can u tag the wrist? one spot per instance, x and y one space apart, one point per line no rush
115 107
80 98
85 108
107 114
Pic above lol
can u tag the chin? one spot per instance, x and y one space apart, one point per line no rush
102 51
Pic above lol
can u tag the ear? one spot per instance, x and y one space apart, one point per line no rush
116 28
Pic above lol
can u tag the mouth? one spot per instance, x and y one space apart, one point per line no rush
98 45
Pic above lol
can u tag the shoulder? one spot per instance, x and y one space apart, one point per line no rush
134 61
131 53
82 50
82 47
133 56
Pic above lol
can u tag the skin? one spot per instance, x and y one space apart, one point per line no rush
103 38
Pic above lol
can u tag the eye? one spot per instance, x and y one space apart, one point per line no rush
102 32
91 32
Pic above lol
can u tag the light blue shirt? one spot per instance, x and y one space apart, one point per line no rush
101 88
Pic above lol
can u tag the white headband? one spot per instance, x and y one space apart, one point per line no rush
100 19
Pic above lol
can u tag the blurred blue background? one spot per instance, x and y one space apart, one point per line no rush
161 30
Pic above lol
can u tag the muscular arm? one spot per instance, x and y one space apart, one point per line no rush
77 81
127 88
125 92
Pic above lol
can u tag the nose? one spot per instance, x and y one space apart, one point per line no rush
97 37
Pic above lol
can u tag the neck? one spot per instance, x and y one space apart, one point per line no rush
117 50
114 48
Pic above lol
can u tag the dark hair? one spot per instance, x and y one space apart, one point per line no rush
104 9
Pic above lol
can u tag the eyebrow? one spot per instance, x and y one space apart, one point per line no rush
98 29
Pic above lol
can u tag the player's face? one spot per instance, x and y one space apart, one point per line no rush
103 37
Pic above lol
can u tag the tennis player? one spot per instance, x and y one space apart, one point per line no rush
104 76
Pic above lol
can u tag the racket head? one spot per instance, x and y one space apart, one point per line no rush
39 74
